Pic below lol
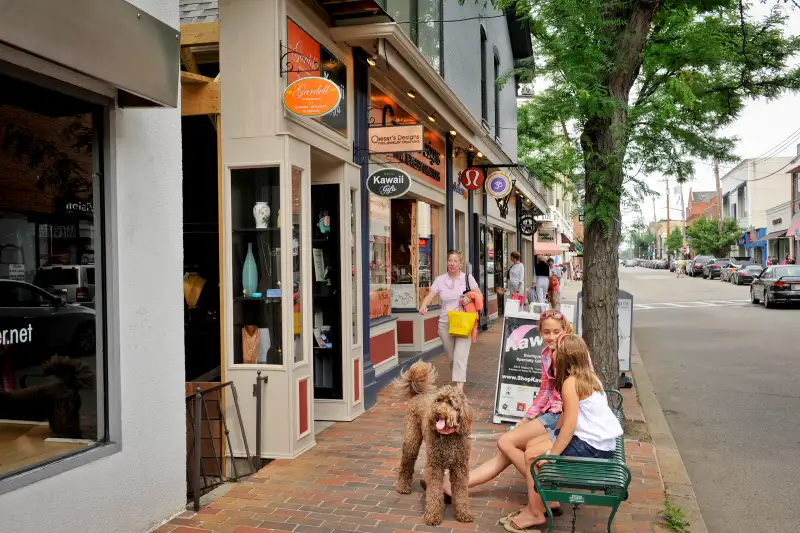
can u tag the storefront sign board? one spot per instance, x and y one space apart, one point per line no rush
16 272
472 178
624 327
546 235
389 183
312 97
498 184
390 139
519 371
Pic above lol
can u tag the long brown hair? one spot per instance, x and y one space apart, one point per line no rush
573 360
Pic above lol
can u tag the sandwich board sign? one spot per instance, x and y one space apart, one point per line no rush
519 371
625 326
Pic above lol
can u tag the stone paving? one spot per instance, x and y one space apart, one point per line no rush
346 482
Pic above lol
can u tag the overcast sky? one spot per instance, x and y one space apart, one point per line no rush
761 127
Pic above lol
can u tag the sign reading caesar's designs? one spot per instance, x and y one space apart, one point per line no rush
498 184
519 372
389 183
312 97
390 139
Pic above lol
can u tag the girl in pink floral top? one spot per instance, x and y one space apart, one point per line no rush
540 419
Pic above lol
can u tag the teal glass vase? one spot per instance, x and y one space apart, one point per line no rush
249 272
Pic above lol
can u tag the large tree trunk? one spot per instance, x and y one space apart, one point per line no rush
603 142
601 251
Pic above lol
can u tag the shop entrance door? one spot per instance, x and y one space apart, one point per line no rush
479 269
499 268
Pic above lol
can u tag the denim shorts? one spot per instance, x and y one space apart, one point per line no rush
549 421
579 448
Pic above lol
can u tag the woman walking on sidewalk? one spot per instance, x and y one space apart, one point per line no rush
455 289
542 416
541 279
516 275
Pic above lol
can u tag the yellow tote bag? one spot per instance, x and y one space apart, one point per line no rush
460 323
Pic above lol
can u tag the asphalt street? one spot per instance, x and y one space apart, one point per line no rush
727 375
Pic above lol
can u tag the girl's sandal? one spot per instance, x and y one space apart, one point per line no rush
509 526
506 519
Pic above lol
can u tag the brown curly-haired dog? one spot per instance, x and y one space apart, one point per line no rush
443 418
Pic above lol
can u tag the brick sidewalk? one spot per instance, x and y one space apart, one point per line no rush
346 482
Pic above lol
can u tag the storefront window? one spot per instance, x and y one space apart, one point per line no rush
421 20
353 259
427 224
380 240
297 264
256 274
51 276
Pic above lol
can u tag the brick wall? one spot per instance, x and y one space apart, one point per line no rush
17 180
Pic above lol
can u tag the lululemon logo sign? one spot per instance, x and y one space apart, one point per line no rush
472 178
389 183
498 185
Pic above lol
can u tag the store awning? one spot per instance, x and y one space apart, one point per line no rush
579 247
566 240
772 236
794 226
546 248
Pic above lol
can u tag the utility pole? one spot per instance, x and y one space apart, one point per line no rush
719 195
668 215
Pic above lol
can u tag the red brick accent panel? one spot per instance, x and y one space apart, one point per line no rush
303 405
431 328
357 380
382 347
405 332
491 306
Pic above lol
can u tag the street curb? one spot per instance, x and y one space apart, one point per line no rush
677 485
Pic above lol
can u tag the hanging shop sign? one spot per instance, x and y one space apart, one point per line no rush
547 236
390 139
458 189
519 372
312 97
305 58
527 225
498 184
389 183
472 178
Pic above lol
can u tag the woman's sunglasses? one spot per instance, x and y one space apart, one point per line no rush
558 315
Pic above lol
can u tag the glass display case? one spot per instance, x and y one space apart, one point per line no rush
326 232
256 266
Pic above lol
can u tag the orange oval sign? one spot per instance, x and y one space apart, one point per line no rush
312 96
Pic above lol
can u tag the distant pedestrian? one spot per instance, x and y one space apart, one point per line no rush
542 279
681 268
516 275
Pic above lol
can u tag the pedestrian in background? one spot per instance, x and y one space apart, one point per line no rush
541 279
789 259
516 275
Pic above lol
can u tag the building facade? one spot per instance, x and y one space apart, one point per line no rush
90 261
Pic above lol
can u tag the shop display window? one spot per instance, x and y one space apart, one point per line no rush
256 272
297 264
354 221
52 312
403 252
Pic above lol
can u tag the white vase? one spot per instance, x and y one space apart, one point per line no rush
261 213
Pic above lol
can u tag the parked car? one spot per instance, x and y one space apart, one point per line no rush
745 274
713 268
52 325
776 284
74 283
694 266
727 273
629 263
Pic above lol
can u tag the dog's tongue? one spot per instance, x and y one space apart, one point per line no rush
440 424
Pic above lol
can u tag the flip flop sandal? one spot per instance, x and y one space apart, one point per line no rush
509 526
506 519
447 498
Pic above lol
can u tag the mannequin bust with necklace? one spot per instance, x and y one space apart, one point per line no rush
193 285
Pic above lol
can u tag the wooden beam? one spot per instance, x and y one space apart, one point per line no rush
200 99
200 34
190 78
187 58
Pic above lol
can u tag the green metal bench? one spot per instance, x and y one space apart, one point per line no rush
567 479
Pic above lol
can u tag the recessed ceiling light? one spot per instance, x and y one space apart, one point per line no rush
453 133
480 154
412 93
432 117
371 61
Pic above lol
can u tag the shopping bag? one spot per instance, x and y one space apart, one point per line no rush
460 323
520 298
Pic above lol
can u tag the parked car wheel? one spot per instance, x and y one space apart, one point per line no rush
84 340
753 298
767 303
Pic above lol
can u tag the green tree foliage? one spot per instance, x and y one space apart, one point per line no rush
674 241
629 87
706 238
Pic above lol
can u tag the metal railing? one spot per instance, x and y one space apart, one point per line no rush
203 420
